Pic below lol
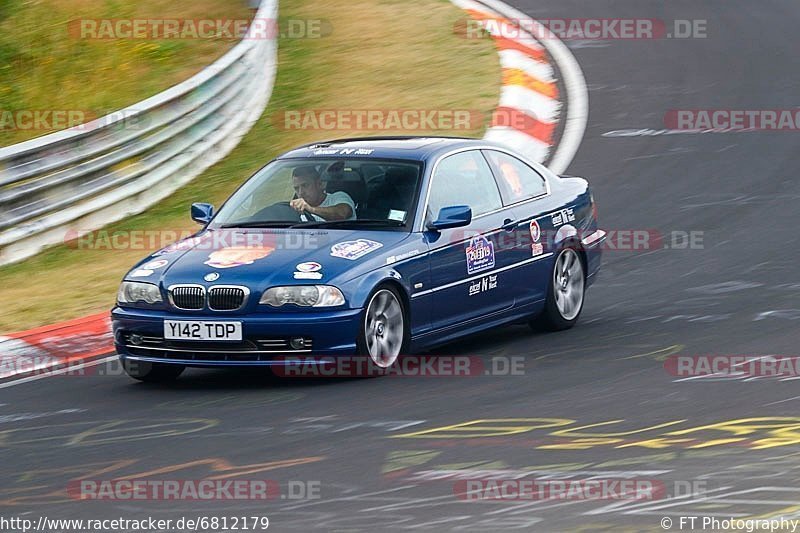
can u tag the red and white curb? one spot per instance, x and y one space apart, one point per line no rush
531 107
39 351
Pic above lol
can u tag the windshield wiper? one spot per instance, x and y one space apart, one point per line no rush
260 224
357 222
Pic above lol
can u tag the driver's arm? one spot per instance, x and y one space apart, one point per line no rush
334 212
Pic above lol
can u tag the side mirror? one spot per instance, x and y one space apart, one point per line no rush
454 216
202 213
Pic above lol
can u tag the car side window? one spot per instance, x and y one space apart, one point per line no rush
463 179
518 180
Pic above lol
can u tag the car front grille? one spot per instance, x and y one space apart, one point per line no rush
218 297
189 297
223 298
255 349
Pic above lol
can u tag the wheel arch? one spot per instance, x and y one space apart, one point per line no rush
566 236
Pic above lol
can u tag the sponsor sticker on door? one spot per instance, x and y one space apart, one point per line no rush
480 254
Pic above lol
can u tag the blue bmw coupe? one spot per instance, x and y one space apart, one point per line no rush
372 247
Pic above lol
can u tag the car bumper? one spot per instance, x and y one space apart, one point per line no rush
593 248
139 336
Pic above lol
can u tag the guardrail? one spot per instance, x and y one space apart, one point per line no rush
88 176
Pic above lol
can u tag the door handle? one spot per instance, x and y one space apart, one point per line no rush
509 224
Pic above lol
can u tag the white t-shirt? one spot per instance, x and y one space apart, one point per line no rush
336 198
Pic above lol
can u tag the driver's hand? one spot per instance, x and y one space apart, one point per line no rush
300 205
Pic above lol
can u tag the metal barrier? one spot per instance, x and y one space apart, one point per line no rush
88 176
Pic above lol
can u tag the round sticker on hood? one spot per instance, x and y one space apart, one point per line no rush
311 266
158 263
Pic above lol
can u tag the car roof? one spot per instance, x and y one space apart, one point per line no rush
406 147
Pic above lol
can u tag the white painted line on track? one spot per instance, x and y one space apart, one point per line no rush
68 368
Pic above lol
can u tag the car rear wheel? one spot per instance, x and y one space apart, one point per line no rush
383 333
565 293
152 372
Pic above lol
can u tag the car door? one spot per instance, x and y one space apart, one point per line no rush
524 192
468 280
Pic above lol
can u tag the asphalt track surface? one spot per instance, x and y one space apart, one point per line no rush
359 439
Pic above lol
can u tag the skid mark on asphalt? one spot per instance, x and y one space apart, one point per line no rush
755 433
49 485
91 433
657 355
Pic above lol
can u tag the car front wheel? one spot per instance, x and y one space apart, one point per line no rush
383 332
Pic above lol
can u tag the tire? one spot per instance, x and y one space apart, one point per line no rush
383 334
152 372
565 293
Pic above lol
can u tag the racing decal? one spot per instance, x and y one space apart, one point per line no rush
484 284
308 270
141 273
354 151
311 266
308 275
238 256
158 263
354 249
480 254
536 231
562 216
536 234
399 257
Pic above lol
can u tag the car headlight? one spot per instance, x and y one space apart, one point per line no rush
131 292
303 295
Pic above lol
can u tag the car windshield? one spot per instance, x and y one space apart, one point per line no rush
325 192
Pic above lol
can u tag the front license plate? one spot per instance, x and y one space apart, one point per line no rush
201 330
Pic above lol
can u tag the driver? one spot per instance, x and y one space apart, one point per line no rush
311 197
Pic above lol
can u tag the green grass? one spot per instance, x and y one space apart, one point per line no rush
387 54
45 67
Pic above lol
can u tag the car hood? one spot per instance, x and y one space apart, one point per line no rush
259 258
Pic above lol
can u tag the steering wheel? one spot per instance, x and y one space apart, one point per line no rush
306 213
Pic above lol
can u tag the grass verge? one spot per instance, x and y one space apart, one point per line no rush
387 54
46 65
